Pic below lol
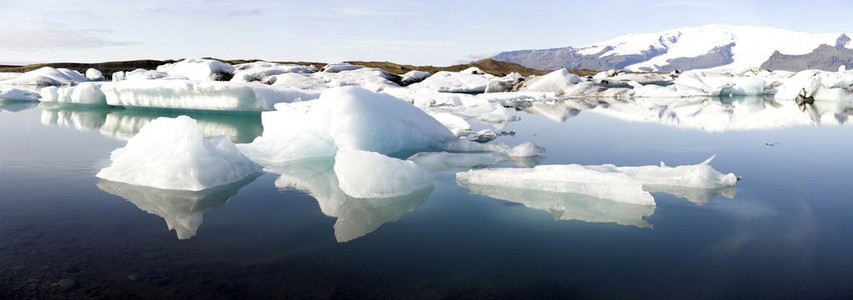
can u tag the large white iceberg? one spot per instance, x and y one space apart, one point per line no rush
363 174
556 82
257 71
173 154
344 118
699 83
199 95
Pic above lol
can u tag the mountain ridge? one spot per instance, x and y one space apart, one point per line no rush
721 47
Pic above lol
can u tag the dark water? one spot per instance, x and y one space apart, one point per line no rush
783 232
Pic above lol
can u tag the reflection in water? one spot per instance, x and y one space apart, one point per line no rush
710 114
694 195
356 217
125 123
7 105
182 210
570 206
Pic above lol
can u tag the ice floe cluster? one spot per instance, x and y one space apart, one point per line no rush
366 143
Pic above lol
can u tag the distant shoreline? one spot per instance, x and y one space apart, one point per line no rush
499 68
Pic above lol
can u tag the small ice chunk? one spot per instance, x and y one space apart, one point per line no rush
94 75
557 82
172 154
414 76
700 175
339 67
83 93
364 174
455 82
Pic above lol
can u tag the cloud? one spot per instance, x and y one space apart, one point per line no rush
52 39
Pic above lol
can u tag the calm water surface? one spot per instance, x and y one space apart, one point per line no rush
783 232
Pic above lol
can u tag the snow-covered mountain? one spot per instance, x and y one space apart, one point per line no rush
726 47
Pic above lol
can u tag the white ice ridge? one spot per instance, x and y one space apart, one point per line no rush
83 93
199 95
173 154
46 76
364 174
344 118
620 184
197 69
18 94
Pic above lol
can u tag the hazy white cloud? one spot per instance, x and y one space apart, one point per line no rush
48 39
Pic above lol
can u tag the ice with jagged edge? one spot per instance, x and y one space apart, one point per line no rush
199 95
171 153
84 93
620 184
345 118
198 69
182 210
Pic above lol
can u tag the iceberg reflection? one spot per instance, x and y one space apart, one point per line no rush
7 105
125 123
712 114
570 206
356 217
182 210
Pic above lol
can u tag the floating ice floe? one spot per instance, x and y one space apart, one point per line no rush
339 67
200 95
46 76
557 82
257 71
83 93
95 75
19 94
454 82
198 69
345 118
699 83
414 77
364 174
356 217
143 74
172 154
620 184
811 85
182 210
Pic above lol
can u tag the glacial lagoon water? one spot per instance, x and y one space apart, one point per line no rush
784 231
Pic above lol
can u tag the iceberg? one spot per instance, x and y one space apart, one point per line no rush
345 118
364 174
172 154
257 71
182 210
143 74
699 83
95 75
199 69
339 67
620 184
454 82
413 77
19 94
199 95
83 93
557 82
46 76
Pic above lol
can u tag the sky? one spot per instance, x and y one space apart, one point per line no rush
436 33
